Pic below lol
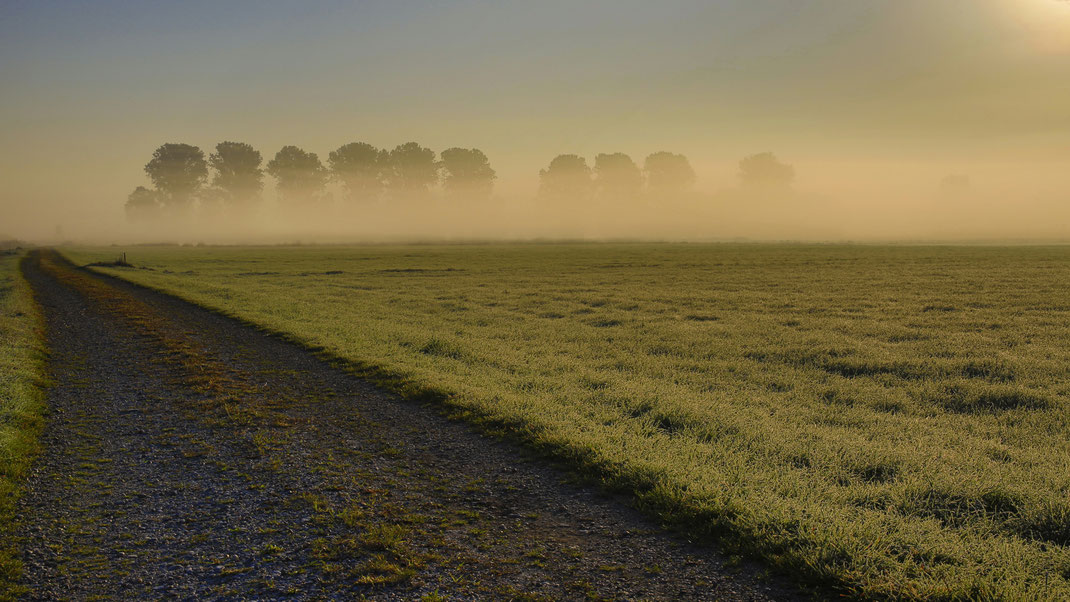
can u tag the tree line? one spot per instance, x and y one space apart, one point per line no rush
180 175
232 176
616 177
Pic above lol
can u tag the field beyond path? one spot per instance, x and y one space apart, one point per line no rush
188 455
891 420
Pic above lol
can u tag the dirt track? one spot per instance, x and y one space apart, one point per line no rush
189 456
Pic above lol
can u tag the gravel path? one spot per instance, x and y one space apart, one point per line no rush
189 456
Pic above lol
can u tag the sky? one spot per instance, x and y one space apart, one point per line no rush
865 98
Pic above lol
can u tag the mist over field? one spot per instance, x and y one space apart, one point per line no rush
729 215
902 120
590 204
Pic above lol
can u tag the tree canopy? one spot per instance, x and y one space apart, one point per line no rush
617 176
143 204
466 172
358 166
668 173
177 171
300 175
765 170
237 172
567 177
411 169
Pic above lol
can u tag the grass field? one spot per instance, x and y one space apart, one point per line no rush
21 402
890 420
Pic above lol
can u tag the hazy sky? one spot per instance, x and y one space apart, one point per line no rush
860 87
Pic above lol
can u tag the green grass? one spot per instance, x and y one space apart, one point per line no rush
21 404
892 421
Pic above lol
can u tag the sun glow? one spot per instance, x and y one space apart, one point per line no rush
1046 22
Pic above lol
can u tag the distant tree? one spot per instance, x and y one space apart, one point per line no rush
359 166
617 176
237 172
411 170
466 173
668 174
213 201
143 204
765 170
300 175
567 177
177 171
955 185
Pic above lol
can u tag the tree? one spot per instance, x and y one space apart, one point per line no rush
358 166
237 172
955 186
213 201
668 174
177 171
467 173
765 170
617 176
411 169
567 177
143 204
300 175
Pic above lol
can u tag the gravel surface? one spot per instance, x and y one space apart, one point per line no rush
190 456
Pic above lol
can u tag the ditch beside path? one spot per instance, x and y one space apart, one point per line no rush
190 456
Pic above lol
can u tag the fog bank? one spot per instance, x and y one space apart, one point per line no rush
730 215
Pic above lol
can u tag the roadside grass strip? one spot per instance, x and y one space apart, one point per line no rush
22 406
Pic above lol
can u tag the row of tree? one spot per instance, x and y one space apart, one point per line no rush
232 176
615 176
180 175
